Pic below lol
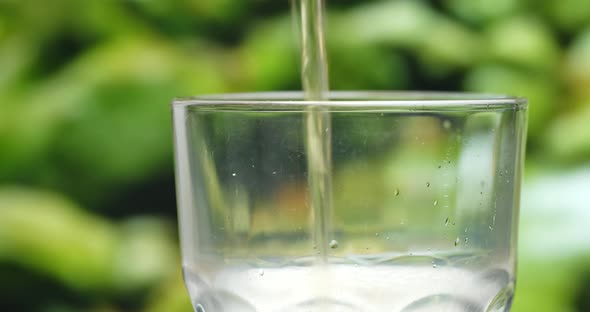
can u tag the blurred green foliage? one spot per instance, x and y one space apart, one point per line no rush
87 194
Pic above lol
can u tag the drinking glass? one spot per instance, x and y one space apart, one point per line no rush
423 205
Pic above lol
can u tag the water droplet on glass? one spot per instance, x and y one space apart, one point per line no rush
314 247
387 238
233 174
435 203
274 172
491 228
199 308
434 265
396 192
466 240
333 244
457 242
439 166
261 272
447 221
447 124
376 234
253 166
427 184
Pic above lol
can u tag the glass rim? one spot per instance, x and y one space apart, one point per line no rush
407 100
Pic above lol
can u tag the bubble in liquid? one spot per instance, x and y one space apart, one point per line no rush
396 192
466 240
427 184
434 265
233 174
457 242
447 221
261 272
333 244
435 203
274 172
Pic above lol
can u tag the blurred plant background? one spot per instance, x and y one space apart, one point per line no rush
87 207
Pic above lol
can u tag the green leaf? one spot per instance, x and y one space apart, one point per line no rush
577 64
48 234
568 135
524 41
483 11
542 91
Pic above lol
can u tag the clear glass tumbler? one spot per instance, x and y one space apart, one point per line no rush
421 210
